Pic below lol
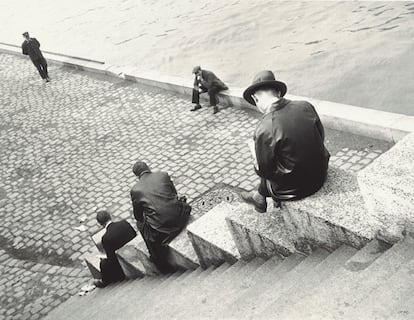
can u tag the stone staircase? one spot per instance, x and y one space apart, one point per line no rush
333 255
374 282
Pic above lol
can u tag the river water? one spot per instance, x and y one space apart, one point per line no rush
358 53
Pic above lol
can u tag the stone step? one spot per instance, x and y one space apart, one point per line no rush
211 237
404 309
258 276
333 216
309 281
193 289
269 280
293 277
143 256
183 254
146 305
387 186
230 283
259 235
131 265
352 286
390 299
179 294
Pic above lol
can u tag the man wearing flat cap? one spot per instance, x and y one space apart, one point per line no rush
31 47
292 160
206 81
161 215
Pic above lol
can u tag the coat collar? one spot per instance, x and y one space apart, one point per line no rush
279 104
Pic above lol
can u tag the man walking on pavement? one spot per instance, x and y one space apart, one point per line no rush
31 47
292 160
206 81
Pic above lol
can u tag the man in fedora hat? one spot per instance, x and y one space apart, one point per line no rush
292 160
31 47
206 81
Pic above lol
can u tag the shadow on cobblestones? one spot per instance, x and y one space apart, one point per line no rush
32 255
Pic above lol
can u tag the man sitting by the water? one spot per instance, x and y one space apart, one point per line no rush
160 214
206 81
116 236
292 160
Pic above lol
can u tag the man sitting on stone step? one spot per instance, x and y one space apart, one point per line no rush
292 160
206 81
116 236
161 215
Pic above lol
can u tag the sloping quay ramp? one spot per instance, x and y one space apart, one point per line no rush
347 213
375 124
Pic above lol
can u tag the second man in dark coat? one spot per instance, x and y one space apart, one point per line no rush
160 213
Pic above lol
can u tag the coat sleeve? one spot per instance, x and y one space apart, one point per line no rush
37 42
208 79
24 48
137 207
318 123
265 146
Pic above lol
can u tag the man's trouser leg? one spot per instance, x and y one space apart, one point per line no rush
38 65
158 249
43 64
196 97
212 94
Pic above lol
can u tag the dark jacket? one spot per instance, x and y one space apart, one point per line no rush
209 80
116 236
32 48
154 200
290 148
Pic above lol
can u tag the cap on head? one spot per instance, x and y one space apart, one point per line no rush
196 69
25 34
103 217
140 167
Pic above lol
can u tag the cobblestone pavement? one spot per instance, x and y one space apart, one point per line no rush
67 148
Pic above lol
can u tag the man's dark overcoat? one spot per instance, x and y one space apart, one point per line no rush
290 149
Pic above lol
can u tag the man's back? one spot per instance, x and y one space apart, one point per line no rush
31 47
117 235
156 195
296 158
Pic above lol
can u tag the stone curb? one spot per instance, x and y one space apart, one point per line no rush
371 123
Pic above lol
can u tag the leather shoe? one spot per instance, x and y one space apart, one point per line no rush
259 205
99 284
196 107
215 110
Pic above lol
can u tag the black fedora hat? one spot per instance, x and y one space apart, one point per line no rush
263 78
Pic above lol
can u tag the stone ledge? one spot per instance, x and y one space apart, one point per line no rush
183 253
362 121
387 186
259 234
211 238
334 215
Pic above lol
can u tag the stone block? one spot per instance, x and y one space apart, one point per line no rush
130 262
334 215
259 234
212 239
183 254
387 186
142 255
92 261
